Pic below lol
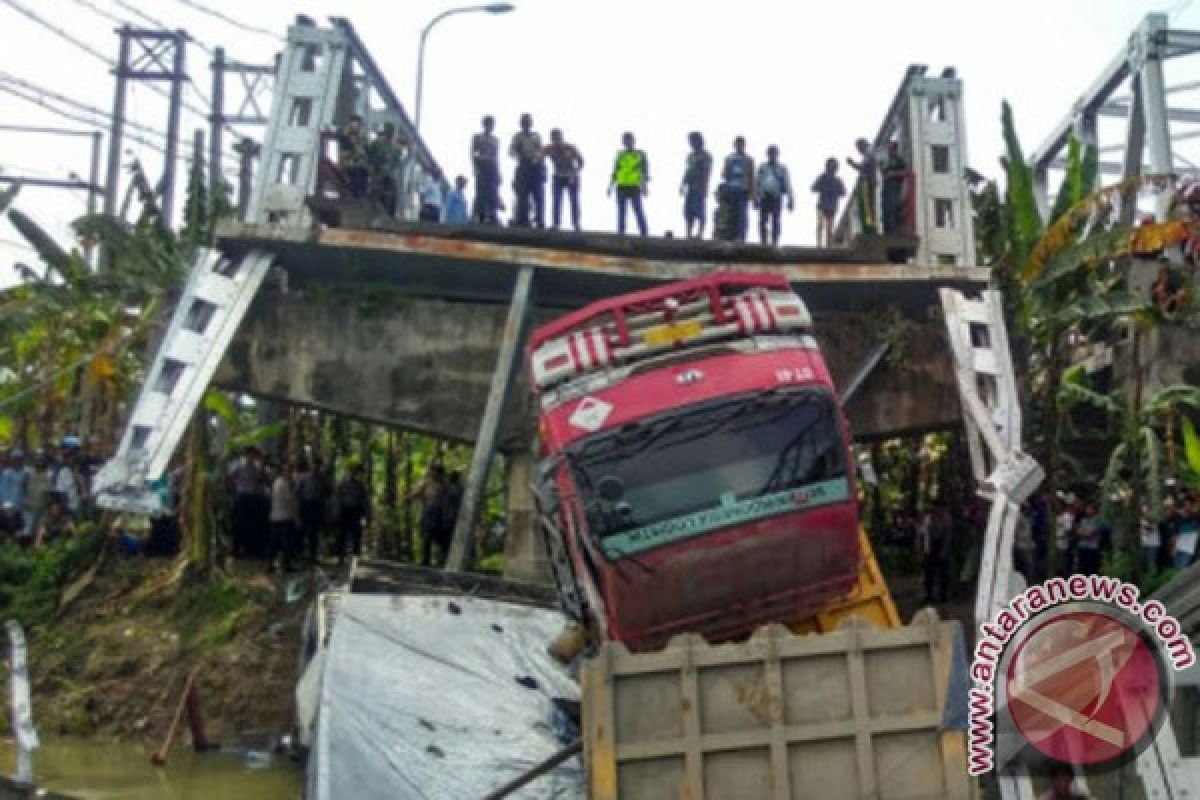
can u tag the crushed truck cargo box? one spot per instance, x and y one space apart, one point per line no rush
440 697
859 712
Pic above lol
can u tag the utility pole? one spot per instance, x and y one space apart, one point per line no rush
177 79
147 55
217 124
248 150
111 188
250 103
73 182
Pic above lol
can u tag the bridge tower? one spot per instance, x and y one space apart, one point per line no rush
926 119
325 75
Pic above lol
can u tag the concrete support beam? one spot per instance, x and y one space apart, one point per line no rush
462 548
524 550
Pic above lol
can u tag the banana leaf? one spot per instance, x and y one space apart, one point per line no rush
47 249
256 435
1026 220
219 403
1191 444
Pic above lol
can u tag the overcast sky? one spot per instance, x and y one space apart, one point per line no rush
808 76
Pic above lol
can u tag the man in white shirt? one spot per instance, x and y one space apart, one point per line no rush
283 520
431 196
771 185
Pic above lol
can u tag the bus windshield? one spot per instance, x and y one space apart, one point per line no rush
709 460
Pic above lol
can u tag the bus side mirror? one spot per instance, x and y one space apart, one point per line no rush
544 490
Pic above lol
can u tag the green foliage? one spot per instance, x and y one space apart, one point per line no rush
31 581
1119 564
1022 201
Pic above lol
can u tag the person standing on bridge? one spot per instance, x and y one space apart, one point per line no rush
431 196
895 176
485 156
868 181
456 203
631 174
567 162
384 158
352 157
529 183
771 185
738 178
697 172
829 190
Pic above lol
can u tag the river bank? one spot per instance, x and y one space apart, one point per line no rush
109 656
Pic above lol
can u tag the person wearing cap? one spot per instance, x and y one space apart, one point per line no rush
529 181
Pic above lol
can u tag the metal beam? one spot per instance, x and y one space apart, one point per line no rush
1098 93
864 371
1135 138
462 549
51 183
1121 109
378 82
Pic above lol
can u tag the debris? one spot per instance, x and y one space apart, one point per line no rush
434 750
453 608
528 682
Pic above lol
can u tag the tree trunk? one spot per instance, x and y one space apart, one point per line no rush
1052 459
1130 537
194 515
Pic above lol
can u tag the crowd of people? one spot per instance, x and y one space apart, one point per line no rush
1083 537
371 167
44 495
282 512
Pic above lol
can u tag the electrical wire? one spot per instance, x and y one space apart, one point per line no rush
37 101
23 83
111 17
29 86
82 45
196 6
85 47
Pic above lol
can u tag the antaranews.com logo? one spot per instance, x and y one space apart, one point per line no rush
1076 670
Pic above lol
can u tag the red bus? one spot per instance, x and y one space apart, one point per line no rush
695 471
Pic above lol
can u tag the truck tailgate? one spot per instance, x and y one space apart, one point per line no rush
859 712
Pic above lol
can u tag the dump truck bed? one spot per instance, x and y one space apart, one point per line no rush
859 712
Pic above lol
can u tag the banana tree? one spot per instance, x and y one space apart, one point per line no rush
1133 476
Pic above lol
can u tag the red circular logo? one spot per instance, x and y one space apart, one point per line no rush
1084 688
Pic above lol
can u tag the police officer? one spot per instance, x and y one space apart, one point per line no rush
631 174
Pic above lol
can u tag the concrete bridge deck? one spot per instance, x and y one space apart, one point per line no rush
421 327
403 326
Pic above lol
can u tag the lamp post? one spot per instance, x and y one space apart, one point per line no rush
490 8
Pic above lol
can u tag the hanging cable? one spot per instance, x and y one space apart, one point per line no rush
192 4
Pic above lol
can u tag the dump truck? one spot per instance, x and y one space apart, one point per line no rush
695 484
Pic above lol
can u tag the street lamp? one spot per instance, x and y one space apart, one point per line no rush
490 8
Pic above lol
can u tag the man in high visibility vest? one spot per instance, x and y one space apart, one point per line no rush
631 173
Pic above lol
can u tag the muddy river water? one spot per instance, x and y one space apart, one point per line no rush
90 770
